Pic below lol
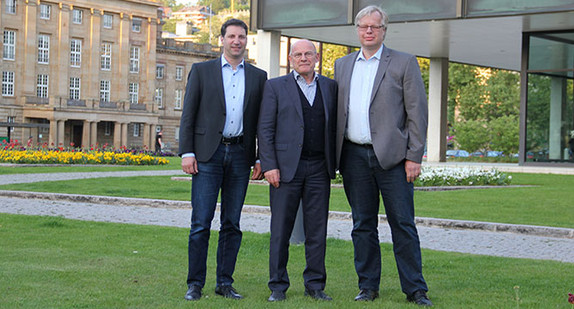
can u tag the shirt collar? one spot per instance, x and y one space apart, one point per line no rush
225 63
297 75
377 55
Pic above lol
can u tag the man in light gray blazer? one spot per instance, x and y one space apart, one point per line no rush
381 133
296 136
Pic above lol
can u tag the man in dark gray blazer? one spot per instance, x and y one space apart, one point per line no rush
297 148
381 133
217 145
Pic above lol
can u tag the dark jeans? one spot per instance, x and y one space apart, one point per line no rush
229 171
312 185
363 179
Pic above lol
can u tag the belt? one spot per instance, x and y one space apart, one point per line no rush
232 140
360 145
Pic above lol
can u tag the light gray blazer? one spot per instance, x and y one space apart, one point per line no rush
398 111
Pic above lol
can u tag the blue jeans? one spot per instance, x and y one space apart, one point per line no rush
363 179
229 171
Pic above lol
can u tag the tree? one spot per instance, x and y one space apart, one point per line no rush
216 5
504 134
331 52
484 105
472 135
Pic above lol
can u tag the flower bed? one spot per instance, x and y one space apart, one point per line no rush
451 176
39 155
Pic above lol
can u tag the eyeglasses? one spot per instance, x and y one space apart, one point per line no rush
307 55
373 28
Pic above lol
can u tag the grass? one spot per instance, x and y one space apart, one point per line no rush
547 203
50 262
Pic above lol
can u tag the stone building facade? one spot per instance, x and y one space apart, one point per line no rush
91 73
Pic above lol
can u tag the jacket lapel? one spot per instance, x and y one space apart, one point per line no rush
324 96
248 70
218 75
383 65
292 90
348 72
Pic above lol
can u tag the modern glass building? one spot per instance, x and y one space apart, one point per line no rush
535 38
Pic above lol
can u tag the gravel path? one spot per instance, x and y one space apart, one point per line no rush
503 244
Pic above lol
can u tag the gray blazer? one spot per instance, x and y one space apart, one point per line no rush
281 125
398 111
203 116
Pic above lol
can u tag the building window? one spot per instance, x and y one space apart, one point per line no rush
9 45
77 16
42 86
178 93
177 134
105 91
106 56
136 25
108 21
133 93
108 128
43 48
134 59
159 97
159 69
74 88
137 129
45 11
11 6
7 84
178 73
75 52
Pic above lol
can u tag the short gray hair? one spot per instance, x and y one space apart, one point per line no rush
370 10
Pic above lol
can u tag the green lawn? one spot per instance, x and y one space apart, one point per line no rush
547 203
50 262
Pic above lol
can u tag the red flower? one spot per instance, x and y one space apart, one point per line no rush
571 298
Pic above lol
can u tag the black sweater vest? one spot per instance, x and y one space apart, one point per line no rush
314 124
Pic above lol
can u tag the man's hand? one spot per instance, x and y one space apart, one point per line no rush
273 177
257 175
413 170
189 165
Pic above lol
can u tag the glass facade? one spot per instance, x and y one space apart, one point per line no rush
550 98
510 7
413 10
302 13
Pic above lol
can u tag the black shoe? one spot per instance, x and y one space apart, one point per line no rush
420 298
276 296
367 295
193 293
317 294
227 291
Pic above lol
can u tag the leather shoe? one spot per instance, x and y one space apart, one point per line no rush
276 296
193 293
227 291
420 298
317 294
367 295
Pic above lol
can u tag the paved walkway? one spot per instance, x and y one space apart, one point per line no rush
438 234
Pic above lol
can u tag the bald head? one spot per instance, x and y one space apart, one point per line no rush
306 44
